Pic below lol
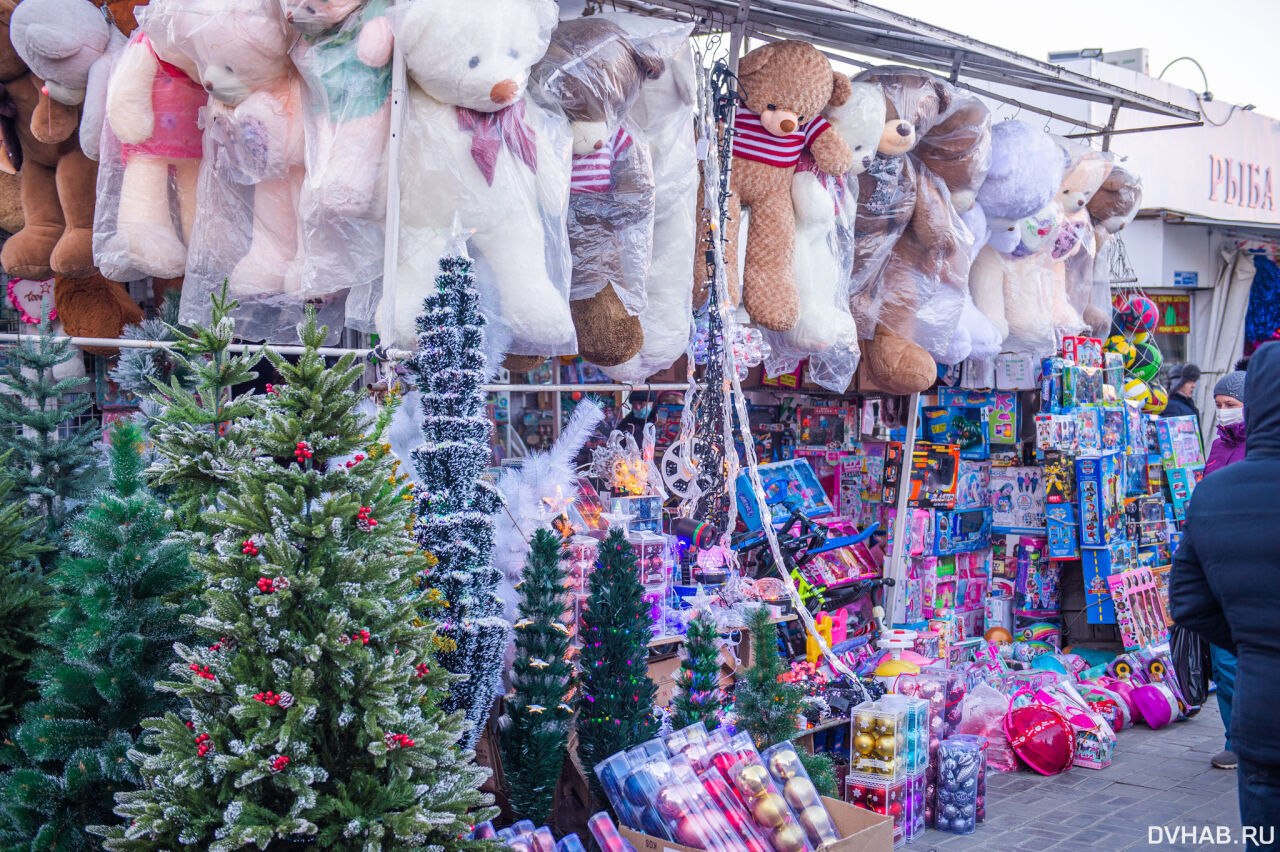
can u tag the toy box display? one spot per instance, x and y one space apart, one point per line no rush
1059 478
1179 444
973 485
1140 613
1081 386
1063 530
1082 351
1098 482
1017 499
1088 430
1037 590
1181 482
1056 433
961 532
964 426
1001 411
792 480
1099 565
645 513
891 471
827 426
934 472
884 744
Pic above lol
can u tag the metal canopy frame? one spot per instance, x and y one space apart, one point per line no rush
858 27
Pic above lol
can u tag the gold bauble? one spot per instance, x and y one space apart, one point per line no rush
769 810
866 721
788 838
817 823
886 746
752 780
863 743
785 764
800 793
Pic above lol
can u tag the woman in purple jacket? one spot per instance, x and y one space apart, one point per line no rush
1228 448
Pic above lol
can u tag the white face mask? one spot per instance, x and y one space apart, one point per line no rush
1230 416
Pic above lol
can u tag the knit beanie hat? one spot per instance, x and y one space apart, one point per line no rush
1180 374
1232 385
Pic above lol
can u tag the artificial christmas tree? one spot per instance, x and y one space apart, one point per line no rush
615 704
198 428
311 704
763 705
535 729
53 460
24 599
453 504
119 601
698 697
138 371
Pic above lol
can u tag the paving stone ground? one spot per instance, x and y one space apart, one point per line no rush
1156 779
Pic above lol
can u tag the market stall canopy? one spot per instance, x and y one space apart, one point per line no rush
854 29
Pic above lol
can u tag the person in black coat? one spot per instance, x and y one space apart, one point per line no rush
1226 587
1182 385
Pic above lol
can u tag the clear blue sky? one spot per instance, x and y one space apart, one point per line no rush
1235 40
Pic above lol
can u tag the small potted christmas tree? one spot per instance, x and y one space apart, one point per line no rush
698 697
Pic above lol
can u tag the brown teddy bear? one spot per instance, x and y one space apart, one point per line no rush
958 149
784 88
904 228
593 73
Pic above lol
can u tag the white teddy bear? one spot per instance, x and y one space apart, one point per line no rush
477 149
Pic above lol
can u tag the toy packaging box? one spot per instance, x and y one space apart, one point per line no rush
1037 592
1064 539
792 480
1179 444
961 532
1017 499
973 485
1056 433
891 473
1182 483
1081 386
1140 613
1099 565
1059 478
964 426
1113 430
1051 385
1089 430
1098 481
645 512
934 471
1001 411
1082 351
827 426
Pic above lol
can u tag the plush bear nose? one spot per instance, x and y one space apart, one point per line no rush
904 129
504 91
866 162
599 144
787 125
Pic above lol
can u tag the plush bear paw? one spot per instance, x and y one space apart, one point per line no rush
543 323
897 365
607 334
26 254
260 272
73 255
156 251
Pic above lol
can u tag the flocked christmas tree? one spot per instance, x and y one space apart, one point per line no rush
120 594
138 370
615 702
197 433
535 729
698 697
763 704
453 504
53 460
312 700
24 599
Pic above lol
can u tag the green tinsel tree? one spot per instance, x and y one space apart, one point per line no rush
698 697
52 461
763 704
312 702
454 505
198 428
120 598
24 599
615 702
535 729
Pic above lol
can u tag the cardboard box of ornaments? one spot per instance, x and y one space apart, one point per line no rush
860 831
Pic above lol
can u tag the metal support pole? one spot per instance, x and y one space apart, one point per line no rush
897 560
738 34
391 240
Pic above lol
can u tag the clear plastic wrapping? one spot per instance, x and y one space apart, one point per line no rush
1073 247
1014 290
247 229
592 73
149 163
476 149
1117 201
664 112
1025 173
342 51
958 148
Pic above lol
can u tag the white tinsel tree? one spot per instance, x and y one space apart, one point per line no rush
452 503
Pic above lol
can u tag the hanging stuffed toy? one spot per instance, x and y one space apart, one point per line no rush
476 148
784 86
152 108
343 53
665 114
593 73
246 231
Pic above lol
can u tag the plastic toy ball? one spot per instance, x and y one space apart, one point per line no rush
1120 344
1143 315
1137 390
1159 399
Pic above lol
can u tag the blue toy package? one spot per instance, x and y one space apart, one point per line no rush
1017 499
1182 483
786 482
1113 430
1135 430
1081 386
1098 565
1178 439
1135 474
964 426
1056 433
1051 385
973 485
1098 484
1089 430
1064 538
961 532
